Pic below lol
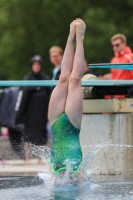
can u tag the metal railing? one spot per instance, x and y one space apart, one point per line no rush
54 83
124 66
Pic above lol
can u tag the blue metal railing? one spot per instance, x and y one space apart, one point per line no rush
127 66
54 83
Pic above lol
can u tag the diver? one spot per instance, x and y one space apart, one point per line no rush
66 104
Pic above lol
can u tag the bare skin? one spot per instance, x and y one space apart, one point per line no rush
36 67
67 95
118 45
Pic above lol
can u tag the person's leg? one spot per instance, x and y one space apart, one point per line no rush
74 102
59 95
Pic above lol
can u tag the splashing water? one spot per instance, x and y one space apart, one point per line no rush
85 171
67 177
70 186
108 144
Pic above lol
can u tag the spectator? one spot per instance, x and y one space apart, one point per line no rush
32 107
0 131
122 54
7 119
56 54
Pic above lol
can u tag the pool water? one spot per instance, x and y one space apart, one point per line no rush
34 188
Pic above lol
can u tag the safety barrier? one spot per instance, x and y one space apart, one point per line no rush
124 66
54 83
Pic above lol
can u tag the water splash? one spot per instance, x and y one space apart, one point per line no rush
41 151
86 168
72 186
108 144
65 176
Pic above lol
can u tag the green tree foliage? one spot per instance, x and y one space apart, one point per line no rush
32 27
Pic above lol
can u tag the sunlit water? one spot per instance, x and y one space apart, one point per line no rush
46 186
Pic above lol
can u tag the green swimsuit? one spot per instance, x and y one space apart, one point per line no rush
66 152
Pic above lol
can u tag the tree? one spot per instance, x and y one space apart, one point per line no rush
32 27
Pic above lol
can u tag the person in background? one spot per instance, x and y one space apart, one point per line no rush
122 54
88 75
7 120
0 100
32 107
56 54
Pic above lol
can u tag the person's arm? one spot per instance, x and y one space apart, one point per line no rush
107 76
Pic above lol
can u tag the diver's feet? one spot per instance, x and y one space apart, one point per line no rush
72 34
80 29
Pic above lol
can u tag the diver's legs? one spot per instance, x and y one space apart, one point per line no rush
74 102
59 94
